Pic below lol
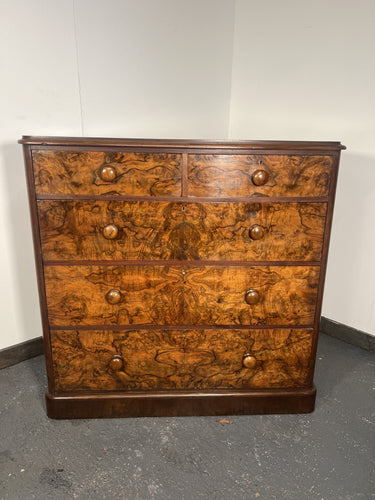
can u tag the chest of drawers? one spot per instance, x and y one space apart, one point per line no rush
180 277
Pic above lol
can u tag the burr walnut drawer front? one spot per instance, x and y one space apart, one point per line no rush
180 360
99 173
118 230
162 295
258 175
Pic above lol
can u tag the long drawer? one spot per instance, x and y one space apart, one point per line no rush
187 295
81 230
177 360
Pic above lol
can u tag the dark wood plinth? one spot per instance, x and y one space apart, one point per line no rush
180 404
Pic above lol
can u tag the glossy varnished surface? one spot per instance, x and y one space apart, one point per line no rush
217 295
165 360
147 230
151 295
162 295
232 175
182 226
221 231
80 172
191 231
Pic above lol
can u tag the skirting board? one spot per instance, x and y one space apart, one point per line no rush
31 348
347 334
20 352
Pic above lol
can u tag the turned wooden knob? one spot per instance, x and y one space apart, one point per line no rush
256 232
110 232
116 363
252 297
260 177
113 296
248 361
107 173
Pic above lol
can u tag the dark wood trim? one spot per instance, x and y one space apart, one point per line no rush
182 263
20 352
180 404
39 264
326 240
184 199
347 334
261 152
179 327
165 143
185 150
118 149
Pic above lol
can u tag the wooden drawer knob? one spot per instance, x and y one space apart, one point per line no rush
256 232
116 363
107 173
252 297
248 361
260 177
110 232
113 296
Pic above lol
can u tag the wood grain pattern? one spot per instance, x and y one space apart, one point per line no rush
170 303
192 231
175 295
73 230
231 175
220 231
194 360
216 295
141 174
151 295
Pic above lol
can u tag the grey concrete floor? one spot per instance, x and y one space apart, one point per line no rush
326 455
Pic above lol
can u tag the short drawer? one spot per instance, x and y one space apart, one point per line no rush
254 295
110 230
254 231
114 295
170 295
96 172
258 175
116 230
157 360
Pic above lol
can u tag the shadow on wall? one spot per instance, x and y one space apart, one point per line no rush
350 284
20 242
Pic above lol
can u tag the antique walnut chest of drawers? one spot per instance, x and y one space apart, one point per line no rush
180 277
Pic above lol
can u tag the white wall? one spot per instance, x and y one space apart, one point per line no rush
120 68
155 68
305 70
146 68
39 95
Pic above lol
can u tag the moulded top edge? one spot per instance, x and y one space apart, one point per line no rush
177 143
